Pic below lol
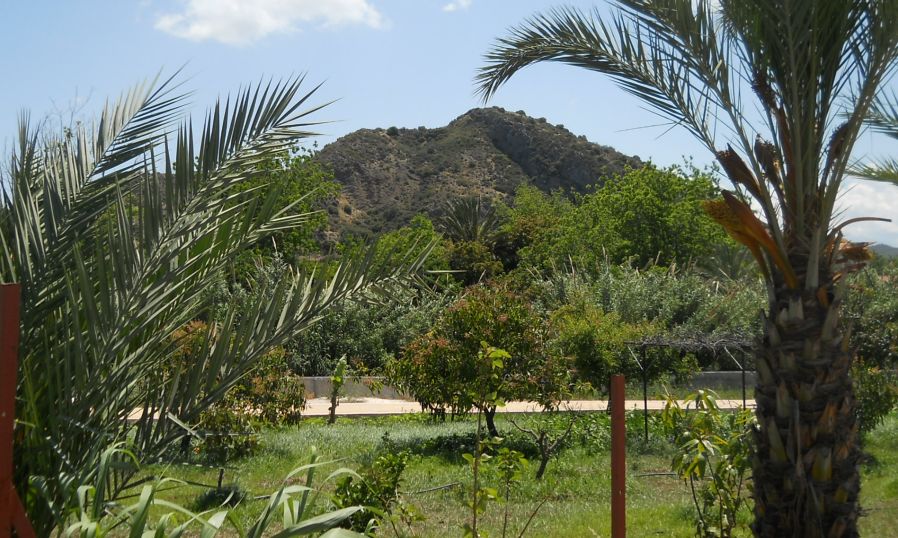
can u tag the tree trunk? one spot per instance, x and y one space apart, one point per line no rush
806 476
490 414
543 463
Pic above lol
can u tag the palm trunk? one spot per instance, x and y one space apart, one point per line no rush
806 476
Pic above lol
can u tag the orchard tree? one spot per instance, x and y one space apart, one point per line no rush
441 368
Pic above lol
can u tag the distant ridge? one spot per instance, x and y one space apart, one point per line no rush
389 175
886 251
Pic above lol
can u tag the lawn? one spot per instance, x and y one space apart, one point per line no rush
575 489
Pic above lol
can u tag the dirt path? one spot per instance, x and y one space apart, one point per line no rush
319 407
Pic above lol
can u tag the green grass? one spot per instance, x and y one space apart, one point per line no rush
576 488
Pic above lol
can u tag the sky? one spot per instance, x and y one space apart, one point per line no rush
404 63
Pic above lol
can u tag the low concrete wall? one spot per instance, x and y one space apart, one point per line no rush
722 380
354 387
361 387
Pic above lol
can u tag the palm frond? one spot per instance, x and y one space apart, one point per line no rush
117 237
882 118
648 48
468 219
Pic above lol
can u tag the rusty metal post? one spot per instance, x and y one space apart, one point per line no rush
618 459
12 513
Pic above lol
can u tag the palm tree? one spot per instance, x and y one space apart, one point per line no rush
777 90
468 219
116 234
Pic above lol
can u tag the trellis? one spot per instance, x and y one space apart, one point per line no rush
730 344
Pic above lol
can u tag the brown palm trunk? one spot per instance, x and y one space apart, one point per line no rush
806 476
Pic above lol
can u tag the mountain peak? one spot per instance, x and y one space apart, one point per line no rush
389 175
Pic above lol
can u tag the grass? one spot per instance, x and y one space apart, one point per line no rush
575 490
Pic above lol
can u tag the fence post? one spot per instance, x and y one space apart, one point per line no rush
12 513
618 459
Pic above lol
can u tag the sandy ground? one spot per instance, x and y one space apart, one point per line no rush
361 407
318 407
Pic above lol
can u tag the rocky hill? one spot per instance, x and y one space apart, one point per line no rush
886 251
390 175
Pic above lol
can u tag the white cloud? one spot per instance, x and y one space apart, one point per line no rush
457 5
241 22
869 199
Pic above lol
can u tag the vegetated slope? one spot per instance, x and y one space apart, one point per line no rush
390 175
886 251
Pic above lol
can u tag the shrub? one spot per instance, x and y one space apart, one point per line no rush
871 316
474 261
714 452
377 487
876 391
597 342
227 433
272 393
629 304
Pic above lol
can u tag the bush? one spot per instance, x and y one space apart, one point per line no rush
714 452
375 487
271 393
619 304
871 317
597 342
227 433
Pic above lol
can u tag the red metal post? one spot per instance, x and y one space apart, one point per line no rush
618 459
12 513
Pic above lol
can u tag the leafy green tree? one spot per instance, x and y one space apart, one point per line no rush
649 215
411 240
598 344
440 367
102 297
530 225
778 92
473 261
303 182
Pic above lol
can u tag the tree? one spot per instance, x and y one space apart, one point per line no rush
533 219
643 216
102 297
442 367
653 214
299 179
468 219
470 225
778 92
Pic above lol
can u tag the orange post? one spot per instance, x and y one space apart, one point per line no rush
618 459
12 513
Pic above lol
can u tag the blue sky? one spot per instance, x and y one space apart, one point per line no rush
389 62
